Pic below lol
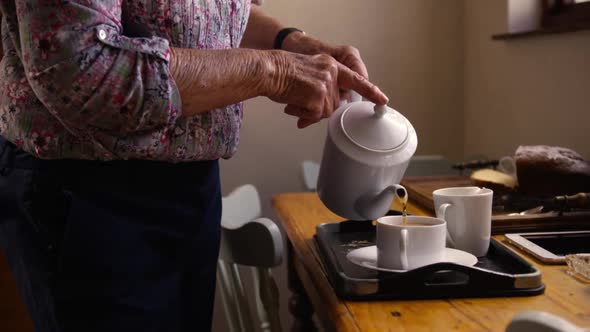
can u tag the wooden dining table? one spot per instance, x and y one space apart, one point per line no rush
312 293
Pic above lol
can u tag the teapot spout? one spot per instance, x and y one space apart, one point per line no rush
376 205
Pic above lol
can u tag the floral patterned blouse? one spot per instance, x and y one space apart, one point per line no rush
89 79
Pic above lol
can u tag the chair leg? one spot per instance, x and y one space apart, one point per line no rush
241 299
267 299
227 298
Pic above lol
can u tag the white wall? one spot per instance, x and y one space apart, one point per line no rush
464 93
523 91
413 50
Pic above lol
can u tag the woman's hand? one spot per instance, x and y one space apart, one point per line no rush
347 55
312 76
310 84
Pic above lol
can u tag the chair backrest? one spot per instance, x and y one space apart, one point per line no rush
240 206
248 240
311 171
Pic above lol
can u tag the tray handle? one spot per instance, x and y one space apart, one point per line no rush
443 275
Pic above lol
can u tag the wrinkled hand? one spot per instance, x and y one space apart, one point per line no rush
310 85
346 55
351 58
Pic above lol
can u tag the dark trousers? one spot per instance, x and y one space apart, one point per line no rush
111 246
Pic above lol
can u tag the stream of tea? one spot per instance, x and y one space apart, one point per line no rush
403 195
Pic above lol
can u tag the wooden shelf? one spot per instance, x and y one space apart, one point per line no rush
569 19
539 32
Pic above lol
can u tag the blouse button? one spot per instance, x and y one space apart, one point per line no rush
102 35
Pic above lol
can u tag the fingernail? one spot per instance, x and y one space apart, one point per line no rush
384 97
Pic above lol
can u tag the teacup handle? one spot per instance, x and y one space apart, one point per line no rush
403 249
441 213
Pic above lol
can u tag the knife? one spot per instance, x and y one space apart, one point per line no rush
475 164
561 203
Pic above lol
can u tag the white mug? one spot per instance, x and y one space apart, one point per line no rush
530 320
468 213
508 166
406 247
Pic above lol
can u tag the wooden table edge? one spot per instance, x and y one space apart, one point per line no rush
338 312
335 310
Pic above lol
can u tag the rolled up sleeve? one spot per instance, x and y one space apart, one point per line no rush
89 75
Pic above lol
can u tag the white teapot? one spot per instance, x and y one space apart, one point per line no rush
366 153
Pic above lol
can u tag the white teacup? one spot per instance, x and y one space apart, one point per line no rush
468 213
404 247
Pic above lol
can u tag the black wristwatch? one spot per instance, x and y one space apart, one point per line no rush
282 35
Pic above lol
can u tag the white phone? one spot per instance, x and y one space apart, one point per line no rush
551 247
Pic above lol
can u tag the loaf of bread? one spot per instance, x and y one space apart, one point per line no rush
550 171
498 181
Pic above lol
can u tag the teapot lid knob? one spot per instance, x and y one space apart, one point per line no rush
377 128
380 110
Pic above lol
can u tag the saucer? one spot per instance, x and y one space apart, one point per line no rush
367 257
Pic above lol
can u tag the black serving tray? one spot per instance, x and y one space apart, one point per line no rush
500 273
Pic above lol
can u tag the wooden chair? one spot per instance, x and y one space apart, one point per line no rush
255 242
310 170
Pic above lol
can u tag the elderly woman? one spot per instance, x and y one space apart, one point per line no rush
113 114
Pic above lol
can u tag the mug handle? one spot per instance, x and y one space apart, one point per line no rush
403 249
441 213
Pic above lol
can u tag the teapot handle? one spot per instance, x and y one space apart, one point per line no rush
354 97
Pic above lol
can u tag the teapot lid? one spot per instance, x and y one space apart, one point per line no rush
378 128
